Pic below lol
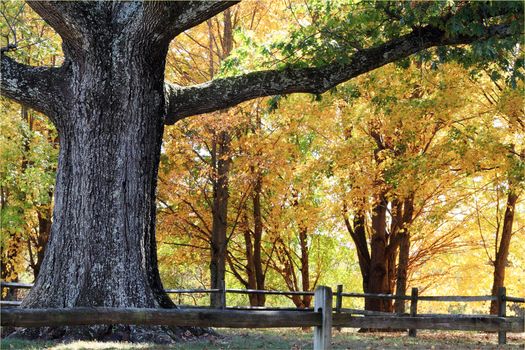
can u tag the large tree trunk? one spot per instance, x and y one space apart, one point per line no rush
503 249
102 249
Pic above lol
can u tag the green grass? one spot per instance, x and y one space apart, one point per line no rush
295 339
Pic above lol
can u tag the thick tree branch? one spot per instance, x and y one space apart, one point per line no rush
170 18
227 92
36 87
68 18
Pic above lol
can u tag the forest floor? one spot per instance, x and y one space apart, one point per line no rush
294 339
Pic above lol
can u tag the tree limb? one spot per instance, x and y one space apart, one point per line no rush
69 19
35 87
227 92
170 18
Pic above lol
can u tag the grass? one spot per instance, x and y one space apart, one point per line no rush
295 339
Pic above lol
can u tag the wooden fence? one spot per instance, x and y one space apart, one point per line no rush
321 316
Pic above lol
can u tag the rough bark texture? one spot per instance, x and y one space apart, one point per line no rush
102 249
227 92
102 240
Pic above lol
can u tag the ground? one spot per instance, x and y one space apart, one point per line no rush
295 339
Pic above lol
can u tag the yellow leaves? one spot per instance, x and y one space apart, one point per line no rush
511 105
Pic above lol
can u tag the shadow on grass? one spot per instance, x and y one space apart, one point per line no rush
295 339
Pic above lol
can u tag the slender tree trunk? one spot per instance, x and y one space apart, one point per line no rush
221 163
391 278
257 238
503 249
44 230
404 252
402 271
305 266
378 276
358 234
220 218
250 266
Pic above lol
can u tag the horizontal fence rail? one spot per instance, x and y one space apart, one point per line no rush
466 323
321 316
16 285
168 317
194 317
458 298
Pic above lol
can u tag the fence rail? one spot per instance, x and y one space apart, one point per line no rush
321 316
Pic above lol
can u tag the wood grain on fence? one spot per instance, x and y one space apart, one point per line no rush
247 319
467 323
168 317
412 332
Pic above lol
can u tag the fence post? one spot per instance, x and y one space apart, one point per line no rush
339 301
502 312
323 303
412 332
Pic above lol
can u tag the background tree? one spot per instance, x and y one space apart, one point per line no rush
28 155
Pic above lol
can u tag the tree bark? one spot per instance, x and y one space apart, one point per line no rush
305 266
250 266
221 159
220 217
503 250
41 238
404 252
102 249
378 275
402 271
358 234
257 238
